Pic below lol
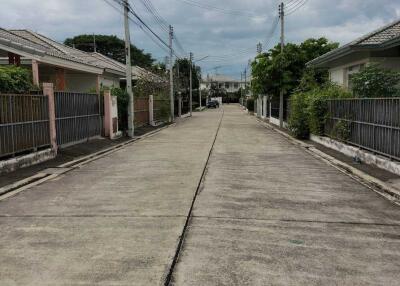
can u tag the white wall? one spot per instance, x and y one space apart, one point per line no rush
109 81
337 76
340 74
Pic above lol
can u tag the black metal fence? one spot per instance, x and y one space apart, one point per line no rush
275 108
371 124
78 117
24 123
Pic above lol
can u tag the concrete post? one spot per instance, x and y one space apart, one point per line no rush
151 110
180 105
48 90
265 106
270 107
35 73
107 113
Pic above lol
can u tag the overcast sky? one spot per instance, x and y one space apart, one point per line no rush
232 31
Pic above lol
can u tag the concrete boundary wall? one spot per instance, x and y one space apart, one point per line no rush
365 156
275 121
27 160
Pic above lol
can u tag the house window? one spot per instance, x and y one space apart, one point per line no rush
236 85
227 85
220 85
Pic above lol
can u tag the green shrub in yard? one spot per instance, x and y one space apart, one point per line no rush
298 121
309 110
341 131
318 106
374 82
250 104
123 100
15 80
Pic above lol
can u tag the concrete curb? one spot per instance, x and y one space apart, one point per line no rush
31 159
365 156
378 186
43 176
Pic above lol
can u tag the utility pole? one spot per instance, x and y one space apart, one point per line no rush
245 81
191 85
171 76
282 17
200 94
129 90
259 48
94 43
241 85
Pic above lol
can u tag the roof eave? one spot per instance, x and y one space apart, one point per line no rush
322 61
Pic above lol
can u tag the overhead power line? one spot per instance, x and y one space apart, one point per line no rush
296 7
143 26
161 22
219 9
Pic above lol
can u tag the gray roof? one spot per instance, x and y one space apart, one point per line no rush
42 44
384 37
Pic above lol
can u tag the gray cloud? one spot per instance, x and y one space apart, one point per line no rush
205 32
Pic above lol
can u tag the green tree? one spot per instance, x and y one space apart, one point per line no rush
373 81
110 46
183 66
274 70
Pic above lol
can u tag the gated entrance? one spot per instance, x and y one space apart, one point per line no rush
24 123
78 117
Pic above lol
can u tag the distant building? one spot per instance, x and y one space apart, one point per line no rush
379 47
229 84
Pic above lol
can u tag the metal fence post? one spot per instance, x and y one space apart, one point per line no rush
48 90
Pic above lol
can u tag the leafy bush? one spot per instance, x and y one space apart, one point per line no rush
341 131
15 80
250 104
309 110
318 106
373 82
123 100
298 121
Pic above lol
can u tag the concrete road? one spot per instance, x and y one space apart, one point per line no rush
115 221
268 213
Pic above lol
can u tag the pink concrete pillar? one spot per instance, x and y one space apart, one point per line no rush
35 72
151 110
48 90
107 114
